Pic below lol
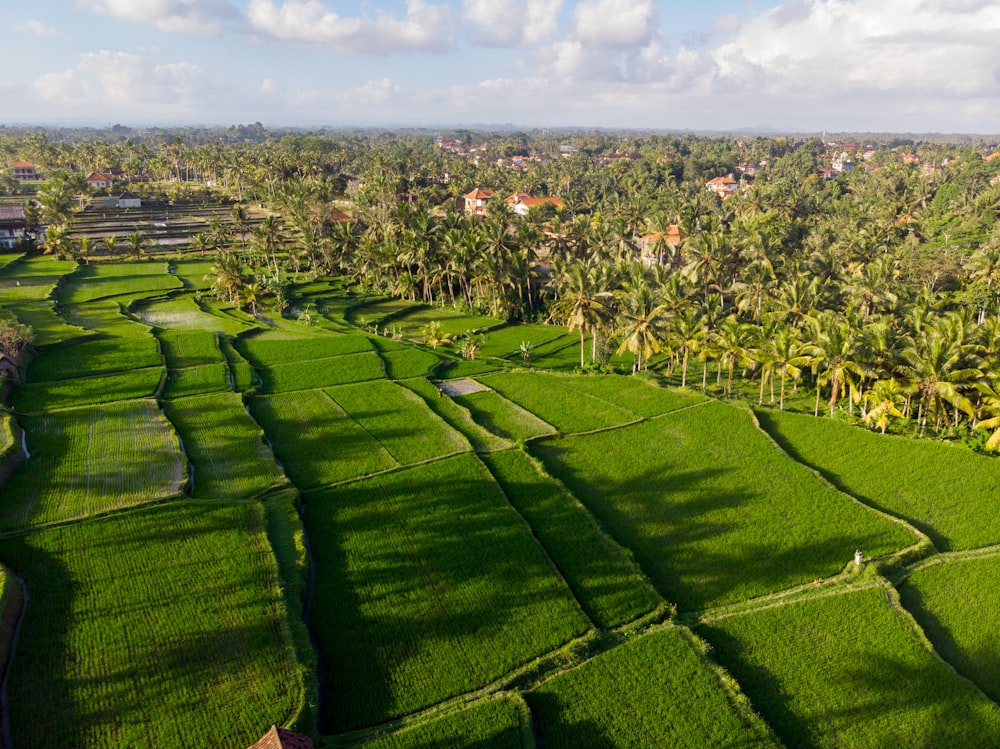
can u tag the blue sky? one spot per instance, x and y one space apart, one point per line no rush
847 65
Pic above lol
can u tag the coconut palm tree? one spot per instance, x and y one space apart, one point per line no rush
940 369
583 305
641 326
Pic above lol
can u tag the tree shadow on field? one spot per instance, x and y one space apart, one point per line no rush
427 585
704 536
114 650
981 665
556 728
884 701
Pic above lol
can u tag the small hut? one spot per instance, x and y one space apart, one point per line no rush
8 369
282 738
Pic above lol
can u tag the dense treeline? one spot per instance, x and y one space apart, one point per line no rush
879 287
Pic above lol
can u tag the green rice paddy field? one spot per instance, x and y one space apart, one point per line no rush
539 559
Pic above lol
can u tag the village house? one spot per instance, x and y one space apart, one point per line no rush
98 181
23 171
13 225
129 200
476 201
661 247
8 369
723 186
520 203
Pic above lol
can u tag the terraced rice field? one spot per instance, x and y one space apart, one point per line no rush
944 490
654 691
225 446
957 602
88 461
713 511
850 670
162 627
439 584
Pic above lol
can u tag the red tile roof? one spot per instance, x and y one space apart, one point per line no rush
479 194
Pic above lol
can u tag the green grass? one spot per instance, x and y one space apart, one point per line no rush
453 368
505 341
49 327
409 362
370 313
850 670
655 691
106 388
266 351
487 725
208 378
184 313
401 422
31 279
102 280
94 356
225 446
605 580
958 605
428 585
105 316
941 489
192 273
316 441
456 416
243 374
92 460
499 416
318 373
156 628
189 348
713 511
453 322
635 394
550 399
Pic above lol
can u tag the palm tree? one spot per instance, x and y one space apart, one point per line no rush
787 355
834 349
137 243
688 335
732 342
641 326
582 305
939 368
111 244
883 402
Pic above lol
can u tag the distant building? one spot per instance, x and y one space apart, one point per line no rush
129 200
23 171
13 224
723 186
476 200
520 203
655 247
98 181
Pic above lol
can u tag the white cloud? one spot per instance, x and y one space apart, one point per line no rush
37 28
268 87
728 24
203 17
850 47
424 27
513 23
110 82
615 23
373 92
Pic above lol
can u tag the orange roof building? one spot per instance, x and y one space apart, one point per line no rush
520 203
476 200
